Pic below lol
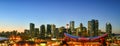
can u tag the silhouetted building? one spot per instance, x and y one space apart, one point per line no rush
72 27
48 30
78 31
96 28
89 29
62 30
109 29
81 29
26 31
32 26
53 29
84 32
93 27
68 29
37 33
56 33
42 31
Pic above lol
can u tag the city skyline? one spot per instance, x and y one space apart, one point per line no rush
16 15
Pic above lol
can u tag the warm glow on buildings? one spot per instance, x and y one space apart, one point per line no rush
15 38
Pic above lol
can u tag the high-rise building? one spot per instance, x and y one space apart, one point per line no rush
56 33
84 32
53 29
67 28
96 28
62 30
72 27
90 31
109 29
37 32
42 31
93 27
48 30
81 27
78 31
32 27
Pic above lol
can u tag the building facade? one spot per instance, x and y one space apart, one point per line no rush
42 31
72 27
109 29
32 28
93 27
48 30
53 29
37 32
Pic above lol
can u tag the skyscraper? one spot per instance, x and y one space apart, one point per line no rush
62 30
80 29
96 28
67 28
32 26
53 29
109 29
93 27
72 27
42 31
48 30
37 32
56 33
90 32
84 31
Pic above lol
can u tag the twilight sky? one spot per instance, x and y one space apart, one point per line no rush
17 14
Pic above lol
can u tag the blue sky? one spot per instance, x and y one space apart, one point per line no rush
17 14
